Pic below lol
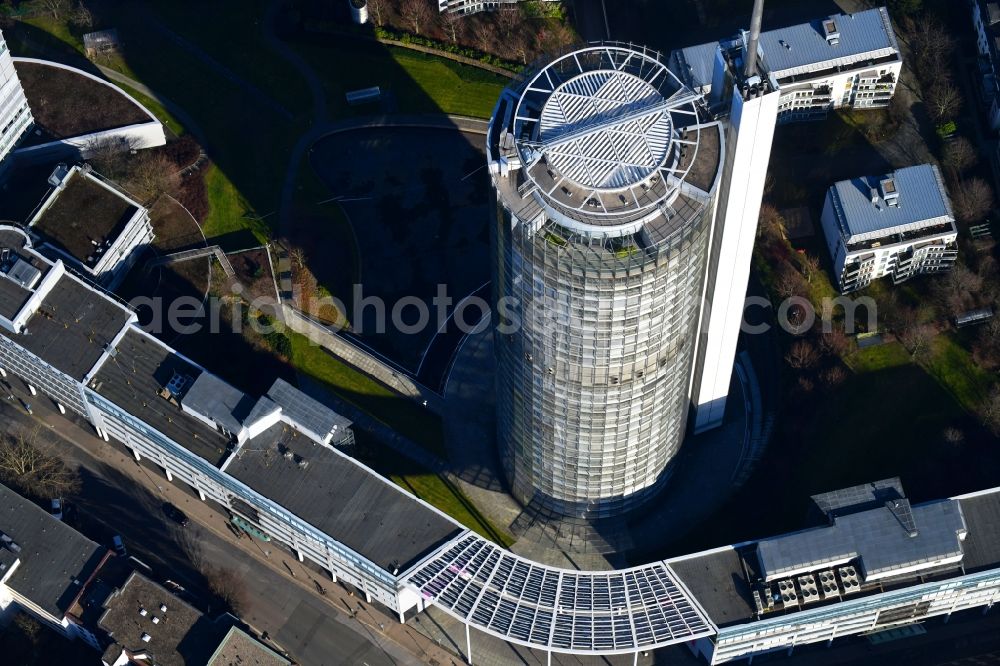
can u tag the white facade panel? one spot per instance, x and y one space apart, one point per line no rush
748 152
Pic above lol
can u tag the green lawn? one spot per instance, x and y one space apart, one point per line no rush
952 366
441 493
418 82
230 214
399 413
879 357
155 108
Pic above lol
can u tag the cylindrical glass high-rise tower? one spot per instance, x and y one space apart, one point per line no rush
604 168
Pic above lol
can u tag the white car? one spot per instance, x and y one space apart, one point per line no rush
57 508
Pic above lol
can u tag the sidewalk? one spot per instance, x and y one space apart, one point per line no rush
381 627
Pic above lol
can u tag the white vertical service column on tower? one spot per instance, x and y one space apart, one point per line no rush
752 120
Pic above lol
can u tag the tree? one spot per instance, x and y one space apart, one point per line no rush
835 343
953 436
770 224
56 8
416 13
150 175
802 355
484 36
454 25
972 198
788 281
960 155
82 18
28 466
986 348
944 100
379 10
834 376
507 20
916 338
520 44
810 265
932 45
227 585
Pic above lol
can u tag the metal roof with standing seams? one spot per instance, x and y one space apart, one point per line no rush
806 45
560 610
922 202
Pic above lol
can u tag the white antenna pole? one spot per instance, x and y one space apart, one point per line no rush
750 65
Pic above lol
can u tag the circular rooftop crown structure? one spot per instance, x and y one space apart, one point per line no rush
606 134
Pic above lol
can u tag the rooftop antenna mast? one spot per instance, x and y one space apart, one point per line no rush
750 66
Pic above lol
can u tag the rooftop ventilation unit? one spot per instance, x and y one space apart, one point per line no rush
786 591
146 637
810 593
20 271
177 385
889 191
849 579
143 612
828 584
58 176
831 32
156 620
163 608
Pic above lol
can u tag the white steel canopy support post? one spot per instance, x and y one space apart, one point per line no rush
468 645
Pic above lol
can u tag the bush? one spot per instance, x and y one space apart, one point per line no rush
279 344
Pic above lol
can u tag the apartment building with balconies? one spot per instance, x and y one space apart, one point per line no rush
897 225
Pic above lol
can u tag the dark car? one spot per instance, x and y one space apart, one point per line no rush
175 514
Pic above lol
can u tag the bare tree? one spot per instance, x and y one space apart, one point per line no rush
972 199
943 100
788 281
932 43
520 45
379 10
82 18
953 436
960 155
227 585
56 8
454 25
28 466
416 13
802 355
834 376
507 20
917 339
810 266
770 223
484 36
149 175
986 348
835 343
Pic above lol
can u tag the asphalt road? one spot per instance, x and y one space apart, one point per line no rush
111 502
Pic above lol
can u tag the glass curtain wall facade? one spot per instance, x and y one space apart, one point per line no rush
598 303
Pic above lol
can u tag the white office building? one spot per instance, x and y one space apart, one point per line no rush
15 116
272 462
95 226
897 225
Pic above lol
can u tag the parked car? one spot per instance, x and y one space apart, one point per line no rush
119 545
175 514
56 508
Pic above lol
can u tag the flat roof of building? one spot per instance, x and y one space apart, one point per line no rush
805 44
860 497
83 215
134 379
358 508
55 560
177 636
219 401
719 583
240 649
922 202
883 539
72 327
303 410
